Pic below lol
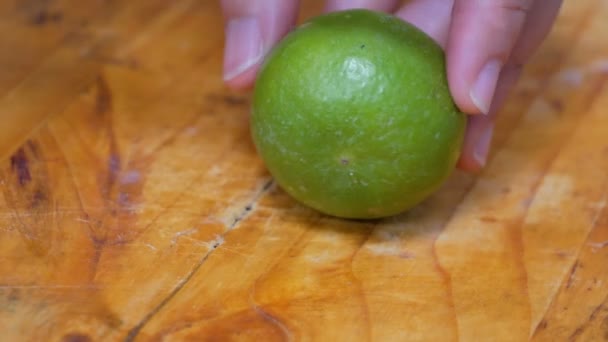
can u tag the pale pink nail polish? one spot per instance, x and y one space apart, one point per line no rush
483 89
244 46
482 146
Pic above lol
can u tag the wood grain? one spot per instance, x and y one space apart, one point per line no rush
134 207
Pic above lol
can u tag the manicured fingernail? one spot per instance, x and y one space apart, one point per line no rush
482 146
483 90
244 46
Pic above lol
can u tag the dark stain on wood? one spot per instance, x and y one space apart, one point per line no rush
76 337
579 331
28 195
44 17
113 165
605 327
557 105
103 100
39 198
39 12
228 99
13 295
103 109
576 334
234 100
542 325
570 280
20 165
595 313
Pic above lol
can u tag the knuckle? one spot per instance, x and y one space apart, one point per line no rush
521 7
507 16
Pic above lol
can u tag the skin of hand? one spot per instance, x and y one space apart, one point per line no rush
487 42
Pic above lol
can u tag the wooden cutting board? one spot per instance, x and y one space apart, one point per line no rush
133 206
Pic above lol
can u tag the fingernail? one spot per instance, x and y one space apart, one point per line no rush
482 146
483 90
244 46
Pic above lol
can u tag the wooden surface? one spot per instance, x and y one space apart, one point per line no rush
133 206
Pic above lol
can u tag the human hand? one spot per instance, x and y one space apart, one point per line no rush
487 42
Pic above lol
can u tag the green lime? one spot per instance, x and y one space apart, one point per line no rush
352 115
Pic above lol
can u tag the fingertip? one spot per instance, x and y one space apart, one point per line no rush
472 80
481 92
244 80
243 49
482 36
252 29
460 78
477 143
467 164
480 129
461 96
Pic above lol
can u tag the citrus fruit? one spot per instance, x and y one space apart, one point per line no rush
352 115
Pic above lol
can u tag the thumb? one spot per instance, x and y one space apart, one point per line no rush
252 28
482 35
